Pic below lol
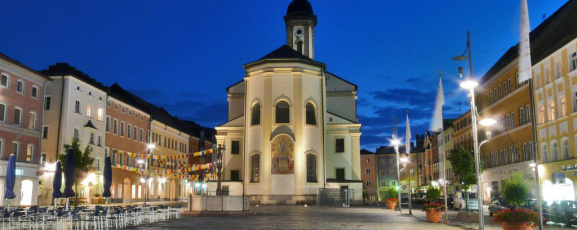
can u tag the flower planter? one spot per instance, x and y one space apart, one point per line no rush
434 216
391 205
517 226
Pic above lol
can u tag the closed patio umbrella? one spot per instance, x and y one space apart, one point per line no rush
57 182
69 176
10 179
107 178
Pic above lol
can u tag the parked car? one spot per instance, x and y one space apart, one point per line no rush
459 201
564 211
497 204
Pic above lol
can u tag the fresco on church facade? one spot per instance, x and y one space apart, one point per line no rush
282 150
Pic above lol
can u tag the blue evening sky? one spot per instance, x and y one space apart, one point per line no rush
181 55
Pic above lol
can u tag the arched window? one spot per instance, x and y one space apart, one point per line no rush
255 168
255 114
17 116
554 151
29 153
32 121
300 46
545 155
311 168
565 148
282 112
310 114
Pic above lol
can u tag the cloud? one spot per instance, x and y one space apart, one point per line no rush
404 96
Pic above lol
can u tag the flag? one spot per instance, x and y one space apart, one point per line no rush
524 45
408 136
437 124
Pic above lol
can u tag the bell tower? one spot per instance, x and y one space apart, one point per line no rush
300 27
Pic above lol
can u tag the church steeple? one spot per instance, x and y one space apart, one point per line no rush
300 27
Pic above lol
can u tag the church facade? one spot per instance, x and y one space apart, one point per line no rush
292 126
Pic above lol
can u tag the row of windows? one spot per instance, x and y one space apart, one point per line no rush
17 118
509 156
132 132
552 111
89 93
20 86
463 123
15 149
123 109
551 76
282 113
555 154
169 143
122 159
99 113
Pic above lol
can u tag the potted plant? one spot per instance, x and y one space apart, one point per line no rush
434 209
516 191
392 200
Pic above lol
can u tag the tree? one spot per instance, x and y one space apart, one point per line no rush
464 166
516 190
83 163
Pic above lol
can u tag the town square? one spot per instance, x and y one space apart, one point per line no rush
288 114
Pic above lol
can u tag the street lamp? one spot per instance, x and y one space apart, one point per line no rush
406 161
396 143
470 84
149 147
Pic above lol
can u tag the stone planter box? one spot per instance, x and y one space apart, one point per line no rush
219 203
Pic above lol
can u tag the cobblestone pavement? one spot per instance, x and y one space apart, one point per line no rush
299 217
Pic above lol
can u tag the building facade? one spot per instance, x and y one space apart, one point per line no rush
554 58
369 175
292 127
21 101
387 168
75 108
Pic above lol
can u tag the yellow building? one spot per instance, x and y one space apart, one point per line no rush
554 54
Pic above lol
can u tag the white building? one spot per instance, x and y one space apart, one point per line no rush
292 126
75 108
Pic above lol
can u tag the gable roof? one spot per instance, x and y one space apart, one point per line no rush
65 69
552 34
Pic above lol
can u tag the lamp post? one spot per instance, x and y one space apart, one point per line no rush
470 84
396 143
147 181
406 161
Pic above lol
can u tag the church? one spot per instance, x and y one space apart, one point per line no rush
292 132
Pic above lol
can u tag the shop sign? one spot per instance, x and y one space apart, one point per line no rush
568 167
558 178
19 172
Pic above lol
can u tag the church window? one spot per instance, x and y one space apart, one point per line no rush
340 145
310 114
340 174
282 112
311 168
235 175
255 114
300 46
235 147
255 161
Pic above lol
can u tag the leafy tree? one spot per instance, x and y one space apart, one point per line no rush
516 189
83 163
463 164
